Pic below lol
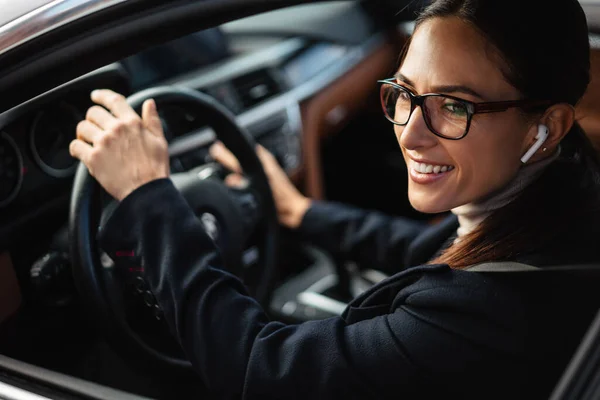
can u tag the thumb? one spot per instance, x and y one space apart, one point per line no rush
151 118
266 157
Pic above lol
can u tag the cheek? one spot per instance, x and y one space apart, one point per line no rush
487 161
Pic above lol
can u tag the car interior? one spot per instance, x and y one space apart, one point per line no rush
301 81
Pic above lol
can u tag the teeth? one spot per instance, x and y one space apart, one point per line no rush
431 169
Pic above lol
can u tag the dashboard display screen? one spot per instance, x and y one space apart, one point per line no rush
176 57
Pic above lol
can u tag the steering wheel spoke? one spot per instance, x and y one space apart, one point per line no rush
248 200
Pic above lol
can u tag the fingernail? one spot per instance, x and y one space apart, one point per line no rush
95 93
71 147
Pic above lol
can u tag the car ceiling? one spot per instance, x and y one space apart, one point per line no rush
310 21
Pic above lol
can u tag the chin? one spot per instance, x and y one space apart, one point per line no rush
427 204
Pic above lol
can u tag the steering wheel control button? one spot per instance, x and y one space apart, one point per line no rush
250 257
158 313
211 225
206 173
140 285
106 261
149 299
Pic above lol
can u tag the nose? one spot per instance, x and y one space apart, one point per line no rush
415 134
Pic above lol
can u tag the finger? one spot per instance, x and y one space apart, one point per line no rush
266 157
151 118
88 132
263 153
114 102
80 150
222 155
236 181
100 117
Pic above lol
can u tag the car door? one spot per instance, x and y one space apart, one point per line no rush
21 381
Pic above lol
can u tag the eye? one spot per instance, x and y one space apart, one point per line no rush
455 108
403 96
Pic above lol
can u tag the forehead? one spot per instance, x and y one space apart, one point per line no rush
450 51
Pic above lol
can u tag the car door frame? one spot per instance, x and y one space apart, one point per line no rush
22 381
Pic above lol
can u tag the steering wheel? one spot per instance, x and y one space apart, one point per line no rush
110 291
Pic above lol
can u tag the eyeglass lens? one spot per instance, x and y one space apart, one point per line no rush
447 117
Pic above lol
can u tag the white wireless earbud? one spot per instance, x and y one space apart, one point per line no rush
541 137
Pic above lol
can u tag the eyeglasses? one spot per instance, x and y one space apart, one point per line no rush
446 116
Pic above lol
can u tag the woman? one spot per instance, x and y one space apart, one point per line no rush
520 176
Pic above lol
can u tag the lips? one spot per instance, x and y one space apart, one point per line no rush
426 173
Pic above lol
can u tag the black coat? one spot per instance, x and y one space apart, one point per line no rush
426 332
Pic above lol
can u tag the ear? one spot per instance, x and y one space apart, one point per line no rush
559 119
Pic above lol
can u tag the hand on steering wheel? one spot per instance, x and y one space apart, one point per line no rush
120 149
124 151
291 204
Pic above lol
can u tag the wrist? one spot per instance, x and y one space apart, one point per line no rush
123 194
294 214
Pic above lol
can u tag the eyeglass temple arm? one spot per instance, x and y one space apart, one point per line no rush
497 106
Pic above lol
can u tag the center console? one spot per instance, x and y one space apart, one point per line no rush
317 291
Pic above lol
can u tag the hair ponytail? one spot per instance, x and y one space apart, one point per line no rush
542 217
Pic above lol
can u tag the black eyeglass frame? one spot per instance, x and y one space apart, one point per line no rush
471 107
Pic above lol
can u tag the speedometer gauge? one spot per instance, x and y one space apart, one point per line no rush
51 133
11 169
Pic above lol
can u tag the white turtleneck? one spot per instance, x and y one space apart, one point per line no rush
472 214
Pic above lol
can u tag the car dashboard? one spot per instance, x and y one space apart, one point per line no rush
261 79
262 69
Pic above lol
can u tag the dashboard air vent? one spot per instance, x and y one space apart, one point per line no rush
256 87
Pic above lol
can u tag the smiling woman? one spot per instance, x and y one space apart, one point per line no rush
482 107
517 65
488 158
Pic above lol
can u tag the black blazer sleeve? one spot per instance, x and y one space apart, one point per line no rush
369 238
409 341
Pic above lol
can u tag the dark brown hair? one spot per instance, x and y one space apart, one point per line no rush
544 50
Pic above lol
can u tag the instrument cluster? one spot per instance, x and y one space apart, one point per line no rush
36 167
38 142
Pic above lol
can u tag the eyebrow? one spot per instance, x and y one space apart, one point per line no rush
443 88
